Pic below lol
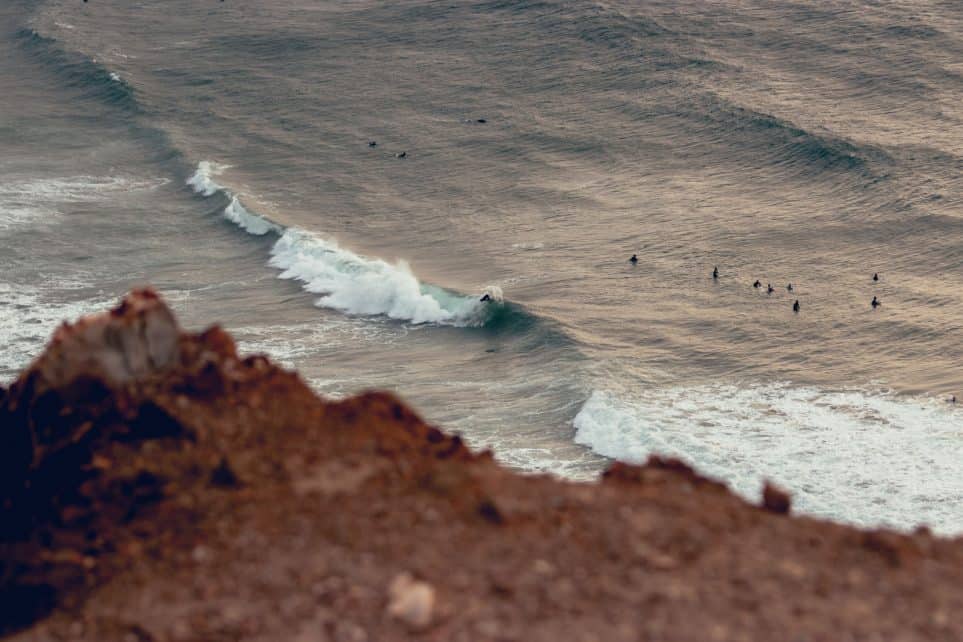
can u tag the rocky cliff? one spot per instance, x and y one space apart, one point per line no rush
155 485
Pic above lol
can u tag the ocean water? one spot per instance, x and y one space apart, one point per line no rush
220 151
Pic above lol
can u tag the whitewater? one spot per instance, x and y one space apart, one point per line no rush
859 456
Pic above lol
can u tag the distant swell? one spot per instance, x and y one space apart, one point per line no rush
94 80
792 143
346 281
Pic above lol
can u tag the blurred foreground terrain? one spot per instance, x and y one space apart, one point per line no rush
155 485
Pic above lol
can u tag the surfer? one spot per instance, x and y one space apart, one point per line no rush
757 284
875 276
372 143
634 259
486 298
875 302
789 287
715 272
401 155
769 289
795 306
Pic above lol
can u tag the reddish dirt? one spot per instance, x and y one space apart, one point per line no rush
156 486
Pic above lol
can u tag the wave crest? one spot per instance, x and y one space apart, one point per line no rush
202 180
349 282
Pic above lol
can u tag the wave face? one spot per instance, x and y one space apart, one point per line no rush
93 79
868 458
349 283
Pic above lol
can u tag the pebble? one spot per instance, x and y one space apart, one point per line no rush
411 601
542 567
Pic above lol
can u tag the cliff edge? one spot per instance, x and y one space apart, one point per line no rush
154 485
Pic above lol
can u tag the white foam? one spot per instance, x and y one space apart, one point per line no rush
250 223
531 245
27 321
72 189
348 282
202 181
16 216
869 458
34 200
114 77
357 285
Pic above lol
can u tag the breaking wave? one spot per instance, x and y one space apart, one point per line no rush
346 281
869 458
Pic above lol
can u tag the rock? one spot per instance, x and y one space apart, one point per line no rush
136 339
775 499
542 567
223 476
411 601
489 510
201 554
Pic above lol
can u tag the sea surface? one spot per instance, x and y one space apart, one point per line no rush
222 151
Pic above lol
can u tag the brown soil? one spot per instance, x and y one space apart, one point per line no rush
156 486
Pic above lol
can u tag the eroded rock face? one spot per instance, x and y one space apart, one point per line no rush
91 388
135 340
775 499
82 377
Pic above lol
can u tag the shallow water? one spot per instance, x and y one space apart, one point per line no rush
220 151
